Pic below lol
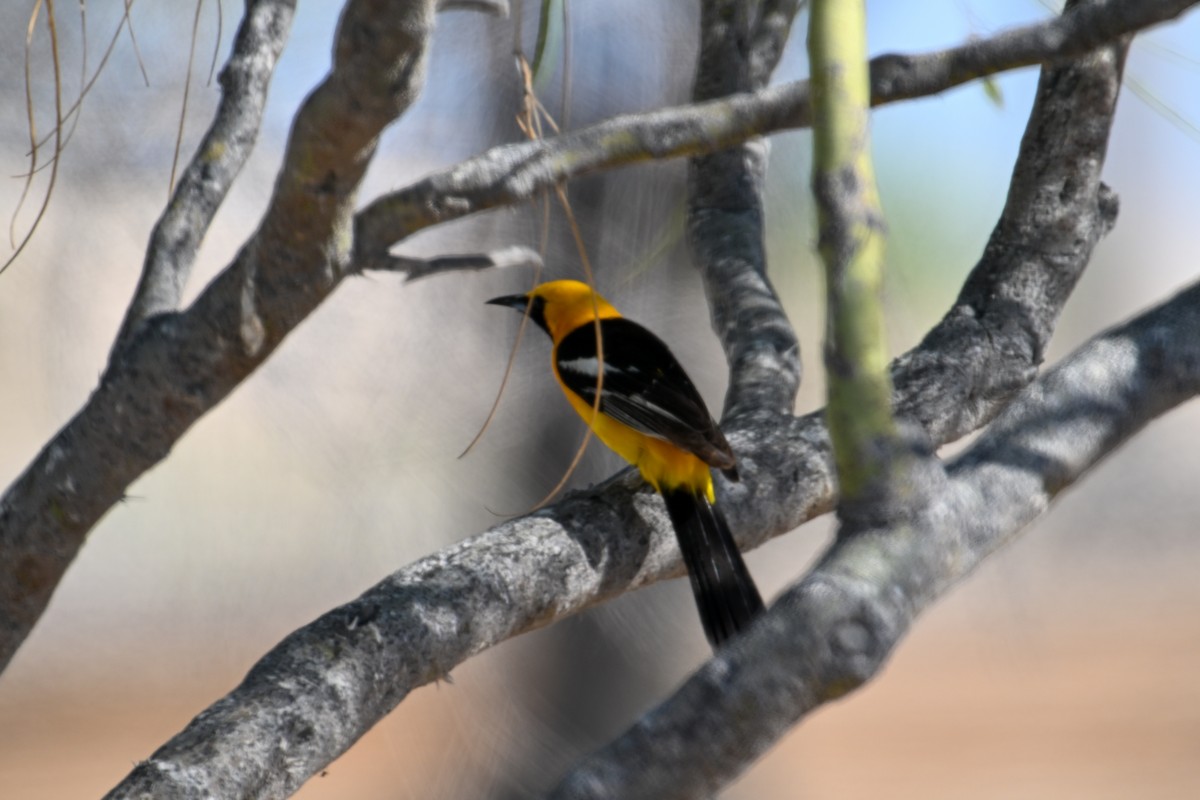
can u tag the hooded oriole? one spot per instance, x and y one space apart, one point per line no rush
653 417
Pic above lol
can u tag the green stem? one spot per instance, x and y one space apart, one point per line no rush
852 247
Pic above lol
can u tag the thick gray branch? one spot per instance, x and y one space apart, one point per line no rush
180 365
330 681
362 659
518 172
1056 212
833 631
725 214
218 160
772 29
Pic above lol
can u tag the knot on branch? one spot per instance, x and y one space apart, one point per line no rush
1109 204
853 631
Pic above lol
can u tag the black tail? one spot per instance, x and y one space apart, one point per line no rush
725 593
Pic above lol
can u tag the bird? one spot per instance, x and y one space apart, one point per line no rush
650 414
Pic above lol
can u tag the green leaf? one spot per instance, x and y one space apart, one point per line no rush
991 90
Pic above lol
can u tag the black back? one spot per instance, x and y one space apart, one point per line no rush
644 387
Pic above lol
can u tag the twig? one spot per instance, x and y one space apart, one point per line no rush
517 172
416 268
218 160
833 631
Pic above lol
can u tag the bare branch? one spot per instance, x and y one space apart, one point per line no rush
518 172
218 160
832 632
497 8
725 215
328 682
415 268
1057 210
1080 28
418 624
178 366
772 29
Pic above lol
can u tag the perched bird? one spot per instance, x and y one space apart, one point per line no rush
651 414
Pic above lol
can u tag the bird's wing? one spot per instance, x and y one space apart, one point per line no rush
644 387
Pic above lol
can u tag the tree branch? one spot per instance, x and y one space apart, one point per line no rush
328 682
218 160
333 679
518 172
996 334
833 630
180 365
772 29
1080 28
725 216
415 268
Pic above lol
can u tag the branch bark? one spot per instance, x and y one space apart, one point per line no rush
414 268
725 214
319 689
179 365
218 160
527 572
833 631
518 172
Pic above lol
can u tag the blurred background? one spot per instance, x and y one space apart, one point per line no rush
1064 668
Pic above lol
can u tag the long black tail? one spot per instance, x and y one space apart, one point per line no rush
725 593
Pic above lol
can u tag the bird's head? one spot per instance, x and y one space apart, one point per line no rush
559 307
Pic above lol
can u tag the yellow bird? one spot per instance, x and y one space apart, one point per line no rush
651 414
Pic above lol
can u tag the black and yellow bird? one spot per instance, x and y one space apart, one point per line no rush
651 414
